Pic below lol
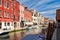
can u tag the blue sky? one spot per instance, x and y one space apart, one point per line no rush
46 7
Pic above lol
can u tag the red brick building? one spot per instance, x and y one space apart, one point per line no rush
58 15
8 13
15 8
28 17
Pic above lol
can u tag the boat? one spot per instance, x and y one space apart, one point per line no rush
4 31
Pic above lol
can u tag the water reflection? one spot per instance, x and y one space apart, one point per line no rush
4 37
16 35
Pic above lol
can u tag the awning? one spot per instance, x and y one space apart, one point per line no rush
29 23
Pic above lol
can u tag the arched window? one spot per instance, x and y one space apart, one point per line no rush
8 24
0 13
5 3
0 2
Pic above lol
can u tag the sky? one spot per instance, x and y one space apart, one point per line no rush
47 8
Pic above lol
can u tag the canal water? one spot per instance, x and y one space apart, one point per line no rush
17 35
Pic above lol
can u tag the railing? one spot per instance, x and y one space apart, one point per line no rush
49 31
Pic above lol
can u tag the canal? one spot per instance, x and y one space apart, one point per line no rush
17 35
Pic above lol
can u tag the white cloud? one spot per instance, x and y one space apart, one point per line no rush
31 4
41 2
23 1
55 6
44 6
49 12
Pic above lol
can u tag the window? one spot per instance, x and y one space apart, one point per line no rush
18 24
12 15
8 24
5 23
36 14
12 6
0 13
18 18
0 25
15 24
0 2
34 23
6 14
32 14
5 4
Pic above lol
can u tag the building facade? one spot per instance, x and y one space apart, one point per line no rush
46 22
22 12
58 17
28 17
58 14
8 8
15 8
35 17
14 15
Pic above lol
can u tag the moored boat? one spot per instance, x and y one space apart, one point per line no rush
3 31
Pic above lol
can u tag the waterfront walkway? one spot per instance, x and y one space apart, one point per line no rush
54 35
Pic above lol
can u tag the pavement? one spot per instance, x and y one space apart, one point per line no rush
56 34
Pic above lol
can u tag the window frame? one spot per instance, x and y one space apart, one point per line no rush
8 24
5 3
0 13
1 24
0 2
8 4
5 24
6 14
